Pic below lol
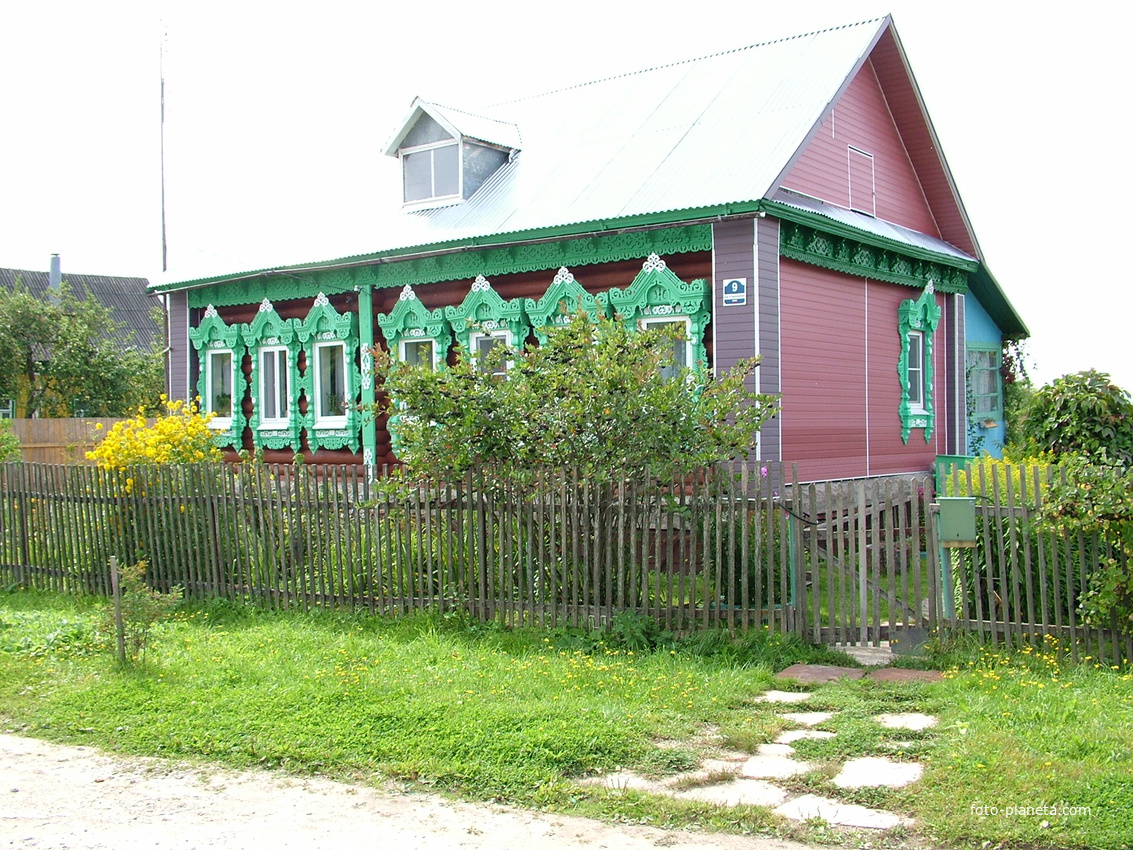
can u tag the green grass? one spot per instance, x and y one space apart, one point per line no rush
485 712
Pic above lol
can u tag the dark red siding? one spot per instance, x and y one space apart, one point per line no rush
841 391
861 119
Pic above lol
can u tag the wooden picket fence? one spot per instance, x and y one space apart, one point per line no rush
734 545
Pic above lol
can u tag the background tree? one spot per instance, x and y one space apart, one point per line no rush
592 397
1084 413
61 357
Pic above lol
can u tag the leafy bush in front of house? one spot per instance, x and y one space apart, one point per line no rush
597 397
1096 499
1080 414
182 435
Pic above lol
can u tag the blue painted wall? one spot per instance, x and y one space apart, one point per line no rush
980 328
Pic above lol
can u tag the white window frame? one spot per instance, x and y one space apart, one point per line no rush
220 423
474 339
417 340
281 399
337 420
916 368
434 199
660 321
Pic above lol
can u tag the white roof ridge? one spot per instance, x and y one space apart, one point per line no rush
689 61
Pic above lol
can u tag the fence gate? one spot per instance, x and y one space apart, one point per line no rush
866 565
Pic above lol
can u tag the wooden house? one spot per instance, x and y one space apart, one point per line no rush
787 199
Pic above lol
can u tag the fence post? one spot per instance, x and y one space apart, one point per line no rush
119 624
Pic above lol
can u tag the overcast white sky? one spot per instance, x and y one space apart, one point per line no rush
277 114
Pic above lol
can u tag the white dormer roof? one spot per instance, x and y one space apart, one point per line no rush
458 124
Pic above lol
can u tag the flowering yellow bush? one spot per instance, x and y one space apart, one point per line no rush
181 436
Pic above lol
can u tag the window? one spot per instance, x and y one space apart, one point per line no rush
916 323
219 379
331 390
916 372
482 345
274 407
985 397
431 172
419 352
682 346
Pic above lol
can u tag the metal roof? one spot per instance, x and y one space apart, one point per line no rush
127 298
689 135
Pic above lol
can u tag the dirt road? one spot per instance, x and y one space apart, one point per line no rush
79 798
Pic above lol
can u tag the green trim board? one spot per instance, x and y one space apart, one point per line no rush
269 331
324 325
851 256
657 293
213 335
917 317
564 299
461 261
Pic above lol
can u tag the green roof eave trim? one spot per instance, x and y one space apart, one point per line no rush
699 217
988 292
816 239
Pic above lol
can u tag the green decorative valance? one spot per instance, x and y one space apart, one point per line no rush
410 320
268 330
212 337
917 317
325 326
560 303
484 310
463 264
657 293
844 254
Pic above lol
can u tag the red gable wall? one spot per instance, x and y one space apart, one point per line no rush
861 119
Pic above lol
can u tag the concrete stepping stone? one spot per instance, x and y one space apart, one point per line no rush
899 674
784 696
870 656
773 766
840 814
739 792
914 720
776 749
819 673
808 718
792 735
876 771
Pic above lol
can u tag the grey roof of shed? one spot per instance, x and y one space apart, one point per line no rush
130 302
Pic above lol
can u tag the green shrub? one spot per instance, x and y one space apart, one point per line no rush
9 442
1080 414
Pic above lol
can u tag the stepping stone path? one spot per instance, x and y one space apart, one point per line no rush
741 779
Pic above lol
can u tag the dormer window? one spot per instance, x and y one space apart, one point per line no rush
431 172
447 154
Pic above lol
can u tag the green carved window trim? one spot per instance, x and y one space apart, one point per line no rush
919 317
324 326
565 298
657 293
460 263
410 321
213 335
269 331
483 310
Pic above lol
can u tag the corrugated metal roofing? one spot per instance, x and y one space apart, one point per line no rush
130 303
700 133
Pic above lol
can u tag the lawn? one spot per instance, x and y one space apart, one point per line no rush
483 712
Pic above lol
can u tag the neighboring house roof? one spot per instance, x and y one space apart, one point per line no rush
694 139
130 302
